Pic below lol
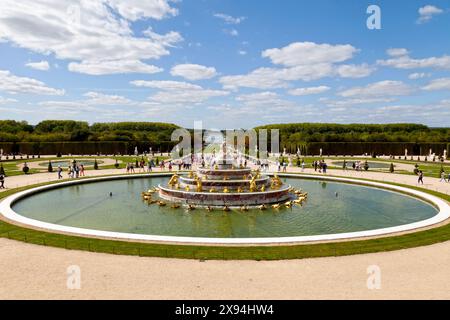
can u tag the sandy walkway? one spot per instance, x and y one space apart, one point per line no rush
31 271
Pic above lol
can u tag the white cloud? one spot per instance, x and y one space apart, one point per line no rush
231 32
98 98
166 85
397 52
169 39
93 99
427 12
304 61
266 95
438 84
305 53
97 30
262 78
137 9
187 96
112 67
178 92
229 19
418 75
242 52
269 78
356 101
14 84
308 91
406 62
378 89
354 71
7 100
193 71
41 65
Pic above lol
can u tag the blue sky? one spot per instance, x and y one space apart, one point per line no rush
227 63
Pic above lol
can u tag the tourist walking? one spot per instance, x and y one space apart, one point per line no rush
2 181
59 170
149 165
443 177
81 170
303 165
420 180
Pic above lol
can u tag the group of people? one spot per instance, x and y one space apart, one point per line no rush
282 166
141 166
356 165
320 166
73 171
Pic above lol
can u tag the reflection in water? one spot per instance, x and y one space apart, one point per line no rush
331 208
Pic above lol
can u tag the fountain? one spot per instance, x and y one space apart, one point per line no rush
226 185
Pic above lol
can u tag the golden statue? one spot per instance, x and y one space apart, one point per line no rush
199 184
240 190
275 182
253 186
173 180
187 188
212 190
191 175
263 188
225 190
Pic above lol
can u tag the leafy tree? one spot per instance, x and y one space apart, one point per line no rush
391 168
50 167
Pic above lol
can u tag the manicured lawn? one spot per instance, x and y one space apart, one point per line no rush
416 239
14 167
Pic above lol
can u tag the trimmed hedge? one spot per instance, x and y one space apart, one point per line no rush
358 148
83 147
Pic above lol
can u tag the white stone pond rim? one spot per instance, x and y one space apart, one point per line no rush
441 205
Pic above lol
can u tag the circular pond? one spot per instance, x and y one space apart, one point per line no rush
66 163
373 165
332 208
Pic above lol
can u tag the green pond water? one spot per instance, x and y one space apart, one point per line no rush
355 208
373 165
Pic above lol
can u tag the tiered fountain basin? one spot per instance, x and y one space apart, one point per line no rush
361 209
226 186
220 199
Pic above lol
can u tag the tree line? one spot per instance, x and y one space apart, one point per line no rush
299 133
157 132
79 131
